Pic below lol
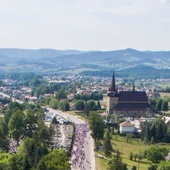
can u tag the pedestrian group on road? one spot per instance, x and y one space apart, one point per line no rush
78 152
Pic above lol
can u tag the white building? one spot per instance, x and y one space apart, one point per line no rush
126 127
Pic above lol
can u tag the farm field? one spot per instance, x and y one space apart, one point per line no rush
165 95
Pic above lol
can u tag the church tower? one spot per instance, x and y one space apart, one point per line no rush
133 86
112 96
113 88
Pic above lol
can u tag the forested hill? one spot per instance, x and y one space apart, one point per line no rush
139 72
50 61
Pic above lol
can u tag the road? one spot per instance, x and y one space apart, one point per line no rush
89 161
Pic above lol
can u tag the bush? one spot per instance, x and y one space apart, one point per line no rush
134 168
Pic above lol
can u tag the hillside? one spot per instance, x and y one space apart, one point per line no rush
48 61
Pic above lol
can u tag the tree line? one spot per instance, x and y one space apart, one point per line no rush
31 139
86 97
155 131
159 105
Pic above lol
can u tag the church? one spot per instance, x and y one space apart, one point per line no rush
127 103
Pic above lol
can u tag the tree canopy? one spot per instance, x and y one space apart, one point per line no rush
96 125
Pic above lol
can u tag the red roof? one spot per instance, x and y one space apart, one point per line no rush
126 124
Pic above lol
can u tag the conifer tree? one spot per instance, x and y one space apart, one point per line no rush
107 143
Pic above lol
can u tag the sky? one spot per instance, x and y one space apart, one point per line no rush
85 24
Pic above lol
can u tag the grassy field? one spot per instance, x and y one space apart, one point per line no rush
165 95
125 148
1 115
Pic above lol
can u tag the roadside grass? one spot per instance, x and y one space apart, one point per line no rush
102 163
135 146
79 115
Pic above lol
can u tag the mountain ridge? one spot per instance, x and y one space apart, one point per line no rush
75 61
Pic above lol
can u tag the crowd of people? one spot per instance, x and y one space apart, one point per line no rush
78 152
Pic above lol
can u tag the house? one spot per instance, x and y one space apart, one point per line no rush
167 158
126 127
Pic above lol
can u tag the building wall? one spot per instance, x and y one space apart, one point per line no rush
127 129
111 102
125 113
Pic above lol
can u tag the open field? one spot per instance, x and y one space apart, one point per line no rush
125 148
165 95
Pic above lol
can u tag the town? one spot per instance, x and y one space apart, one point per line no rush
62 101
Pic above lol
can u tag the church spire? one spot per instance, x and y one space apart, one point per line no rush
113 88
133 86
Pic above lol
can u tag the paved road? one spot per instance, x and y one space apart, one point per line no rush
89 161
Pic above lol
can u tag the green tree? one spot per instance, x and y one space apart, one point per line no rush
135 156
32 150
140 157
116 162
54 103
19 162
61 94
145 134
152 103
64 106
129 137
35 82
91 105
16 125
134 168
57 159
30 121
158 105
4 160
107 143
79 104
155 154
54 120
42 132
98 105
153 167
96 125
131 156
164 166
164 106
158 130
86 109
4 140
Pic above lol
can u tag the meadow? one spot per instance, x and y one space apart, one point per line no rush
135 146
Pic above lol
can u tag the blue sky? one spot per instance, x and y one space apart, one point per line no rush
85 24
